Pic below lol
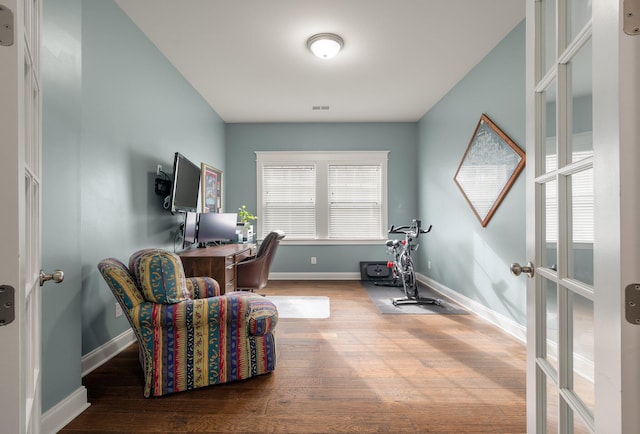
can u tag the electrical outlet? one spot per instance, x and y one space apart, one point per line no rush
119 312
429 265
158 169
313 260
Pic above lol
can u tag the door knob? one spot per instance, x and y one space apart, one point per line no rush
57 276
528 269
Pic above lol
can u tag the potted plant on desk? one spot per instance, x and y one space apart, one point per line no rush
246 217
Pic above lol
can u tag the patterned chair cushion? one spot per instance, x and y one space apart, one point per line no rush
202 287
160 275
121 282
262 316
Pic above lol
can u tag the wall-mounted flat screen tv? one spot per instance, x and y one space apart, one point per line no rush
186 184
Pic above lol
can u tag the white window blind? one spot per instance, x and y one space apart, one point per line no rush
289 200
581 189
355 201
328 196
580 195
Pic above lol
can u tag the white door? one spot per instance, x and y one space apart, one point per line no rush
582 212
20 215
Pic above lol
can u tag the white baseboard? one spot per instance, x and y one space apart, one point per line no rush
505 324
64 412
104 353
69 408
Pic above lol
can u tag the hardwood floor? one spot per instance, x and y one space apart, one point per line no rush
355 372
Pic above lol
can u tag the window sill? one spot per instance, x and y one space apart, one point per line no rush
380 241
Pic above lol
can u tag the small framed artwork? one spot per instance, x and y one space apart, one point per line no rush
489 167
211 179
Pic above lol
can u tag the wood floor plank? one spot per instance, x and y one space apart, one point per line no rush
357 371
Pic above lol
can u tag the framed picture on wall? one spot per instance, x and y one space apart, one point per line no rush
488 169
211 179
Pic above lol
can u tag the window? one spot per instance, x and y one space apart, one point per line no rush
333 196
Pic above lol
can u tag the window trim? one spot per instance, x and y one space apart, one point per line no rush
324 159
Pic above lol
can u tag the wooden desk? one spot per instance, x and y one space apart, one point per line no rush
218 262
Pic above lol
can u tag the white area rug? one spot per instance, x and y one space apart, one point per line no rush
301 306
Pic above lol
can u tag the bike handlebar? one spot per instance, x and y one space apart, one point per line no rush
414 228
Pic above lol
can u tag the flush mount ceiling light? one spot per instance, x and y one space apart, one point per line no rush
325 45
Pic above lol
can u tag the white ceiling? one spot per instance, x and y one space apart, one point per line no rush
249 60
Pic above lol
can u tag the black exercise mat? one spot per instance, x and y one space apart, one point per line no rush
382 297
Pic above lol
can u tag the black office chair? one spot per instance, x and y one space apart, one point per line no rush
252 273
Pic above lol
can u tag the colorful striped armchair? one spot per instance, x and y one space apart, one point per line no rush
189 335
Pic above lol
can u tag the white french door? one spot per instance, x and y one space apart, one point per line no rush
582 213
20 171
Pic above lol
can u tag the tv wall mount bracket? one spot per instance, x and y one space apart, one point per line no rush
7 304
6 26
631 17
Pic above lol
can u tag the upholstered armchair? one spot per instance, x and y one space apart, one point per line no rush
190 336
253 272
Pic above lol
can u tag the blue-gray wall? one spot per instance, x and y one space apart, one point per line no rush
401 139
465 256
108 121
61 150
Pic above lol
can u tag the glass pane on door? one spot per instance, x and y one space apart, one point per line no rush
551 406
580 186
550 147
550 224
583 350
581 91
552 322
548 36
578 14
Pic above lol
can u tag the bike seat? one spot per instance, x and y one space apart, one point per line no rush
393 243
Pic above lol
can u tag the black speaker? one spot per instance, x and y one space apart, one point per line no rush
375 271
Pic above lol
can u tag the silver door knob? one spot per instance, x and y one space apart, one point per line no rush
517 269
57 276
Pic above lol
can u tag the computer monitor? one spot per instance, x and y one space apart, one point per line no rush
213 227
189 230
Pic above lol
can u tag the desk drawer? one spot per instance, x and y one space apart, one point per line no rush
230 274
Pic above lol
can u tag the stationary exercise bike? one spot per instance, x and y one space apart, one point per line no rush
402 271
